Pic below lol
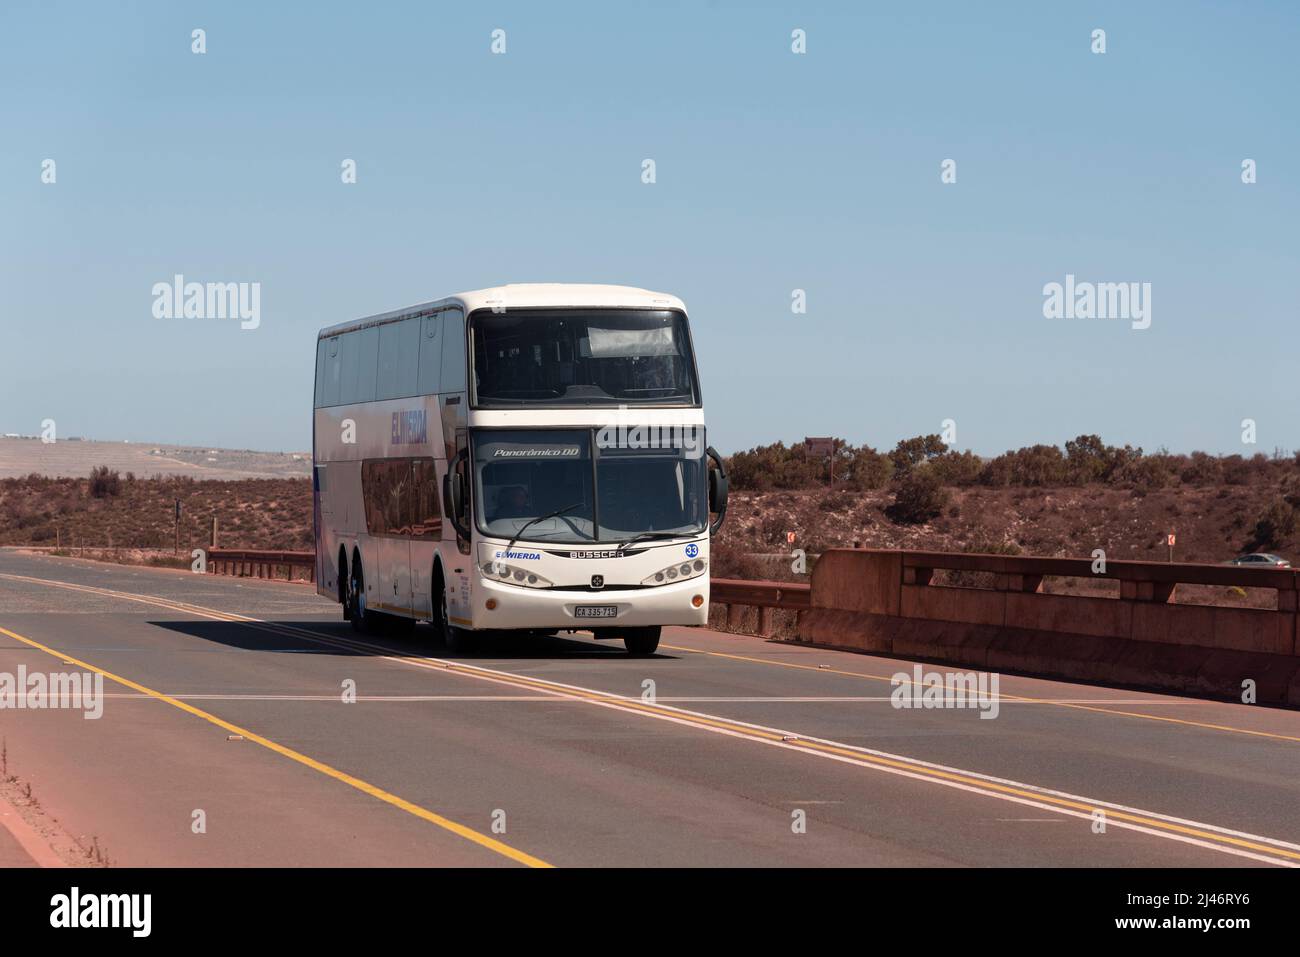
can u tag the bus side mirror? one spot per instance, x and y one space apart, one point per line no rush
453 496
717 490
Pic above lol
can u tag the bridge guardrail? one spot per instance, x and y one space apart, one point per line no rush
260 563
891 602
737 595
734 594
1139 580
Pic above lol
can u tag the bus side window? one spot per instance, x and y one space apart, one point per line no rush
408 361
427 520
453 351
367 362
321 355
401 505
330 387
399 356
348 364
390 494
430 354
386 387
373 495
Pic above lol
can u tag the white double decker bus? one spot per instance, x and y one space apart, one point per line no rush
525 458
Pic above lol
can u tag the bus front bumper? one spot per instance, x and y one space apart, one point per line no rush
519 607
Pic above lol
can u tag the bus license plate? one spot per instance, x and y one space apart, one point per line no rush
595 611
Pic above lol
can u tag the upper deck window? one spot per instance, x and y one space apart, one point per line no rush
582 357
423 354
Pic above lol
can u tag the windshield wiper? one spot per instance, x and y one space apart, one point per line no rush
540 518
650 537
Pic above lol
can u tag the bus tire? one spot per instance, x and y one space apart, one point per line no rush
362 618
343 585
641 641
460 640
454 639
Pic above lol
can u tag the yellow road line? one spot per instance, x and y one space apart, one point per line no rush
896 763
814 745
387 797
1186 722
197 609
1010 697
709 722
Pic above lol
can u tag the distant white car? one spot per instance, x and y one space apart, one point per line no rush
1261 560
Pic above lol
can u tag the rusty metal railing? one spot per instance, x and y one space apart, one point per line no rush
736 596
261 563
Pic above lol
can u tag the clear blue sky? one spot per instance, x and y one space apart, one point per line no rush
775 172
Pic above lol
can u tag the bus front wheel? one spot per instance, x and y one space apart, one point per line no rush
641 641
455 639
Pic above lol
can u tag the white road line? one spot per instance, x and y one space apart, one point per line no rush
222 696
792 742
675 699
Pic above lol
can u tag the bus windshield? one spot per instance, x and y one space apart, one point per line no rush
520 475
582 357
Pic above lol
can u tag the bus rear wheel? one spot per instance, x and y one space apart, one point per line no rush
641 641
344 597
362 619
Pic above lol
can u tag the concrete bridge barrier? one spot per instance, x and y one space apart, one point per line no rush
893 603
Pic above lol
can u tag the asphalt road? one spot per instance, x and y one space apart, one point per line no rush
225 704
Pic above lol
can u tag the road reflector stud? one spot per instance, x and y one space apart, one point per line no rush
234 737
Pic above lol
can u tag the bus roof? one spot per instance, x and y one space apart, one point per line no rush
527 295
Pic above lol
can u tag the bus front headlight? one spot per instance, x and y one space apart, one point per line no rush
500 571
677 572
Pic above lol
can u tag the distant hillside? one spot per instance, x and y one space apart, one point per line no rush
76 457
140 512
1037 500
1211 524
1040 500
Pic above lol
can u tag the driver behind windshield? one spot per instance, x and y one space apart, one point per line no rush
512 502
